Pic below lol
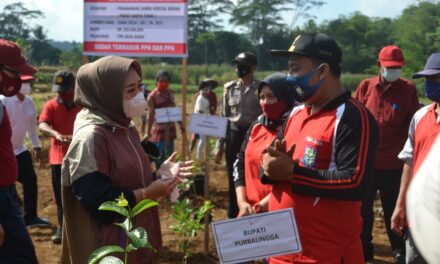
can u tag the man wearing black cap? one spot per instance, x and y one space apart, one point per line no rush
56 120
423 131
331 142
15 243
241 106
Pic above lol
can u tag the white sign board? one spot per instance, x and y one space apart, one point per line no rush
140 28
256 236
423 205
168 114
208 125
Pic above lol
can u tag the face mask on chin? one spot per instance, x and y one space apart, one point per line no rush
9 86
301 85
391 75
135 106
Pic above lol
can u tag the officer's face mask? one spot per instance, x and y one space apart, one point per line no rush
300 84
243 70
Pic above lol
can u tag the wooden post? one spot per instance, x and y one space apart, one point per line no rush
184 83
206 192
84 59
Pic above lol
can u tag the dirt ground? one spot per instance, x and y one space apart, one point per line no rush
49 253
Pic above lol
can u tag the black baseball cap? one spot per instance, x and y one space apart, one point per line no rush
314 45
63 81
246 57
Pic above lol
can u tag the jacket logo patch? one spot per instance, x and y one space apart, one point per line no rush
309 157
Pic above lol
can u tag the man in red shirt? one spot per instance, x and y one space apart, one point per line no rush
15 243
392 101
56 120
423 131
332 140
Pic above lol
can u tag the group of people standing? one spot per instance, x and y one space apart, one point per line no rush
329 156
296 140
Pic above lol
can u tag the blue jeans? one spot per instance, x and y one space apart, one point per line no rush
17 246
165 151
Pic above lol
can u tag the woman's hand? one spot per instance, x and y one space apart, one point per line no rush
172 169
160 188
244 209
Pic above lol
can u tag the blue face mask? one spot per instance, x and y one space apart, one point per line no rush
432 90
301 85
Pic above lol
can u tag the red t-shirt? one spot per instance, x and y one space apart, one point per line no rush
392 107
8 162
61 118
426 132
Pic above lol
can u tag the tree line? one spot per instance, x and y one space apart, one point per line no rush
416 30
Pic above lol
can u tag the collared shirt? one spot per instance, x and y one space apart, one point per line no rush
423 131
393 107
23 118
335 150
8 162
61 118
241 105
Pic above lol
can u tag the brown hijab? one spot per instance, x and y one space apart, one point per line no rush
99 86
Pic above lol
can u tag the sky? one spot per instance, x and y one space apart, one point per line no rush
63 18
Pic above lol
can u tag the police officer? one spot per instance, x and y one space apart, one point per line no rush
241 106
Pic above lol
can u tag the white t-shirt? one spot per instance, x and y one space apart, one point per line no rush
202 105
23 118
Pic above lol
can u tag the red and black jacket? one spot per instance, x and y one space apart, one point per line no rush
335 149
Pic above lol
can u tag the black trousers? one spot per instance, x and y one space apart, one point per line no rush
387 182
28 178
233 146
56 187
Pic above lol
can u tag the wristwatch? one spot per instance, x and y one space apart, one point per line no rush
37 148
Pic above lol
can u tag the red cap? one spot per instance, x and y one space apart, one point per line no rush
27 78
391 56
10 55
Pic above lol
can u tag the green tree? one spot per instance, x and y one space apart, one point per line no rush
415 32
72 58
42 53
15 21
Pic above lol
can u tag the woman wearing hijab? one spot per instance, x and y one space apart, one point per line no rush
276 101
105 159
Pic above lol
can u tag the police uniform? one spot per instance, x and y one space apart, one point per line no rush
241 106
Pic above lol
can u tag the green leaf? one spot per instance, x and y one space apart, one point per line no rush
126 225
143 205
113 207
111 260
102 252
122 203
138 237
